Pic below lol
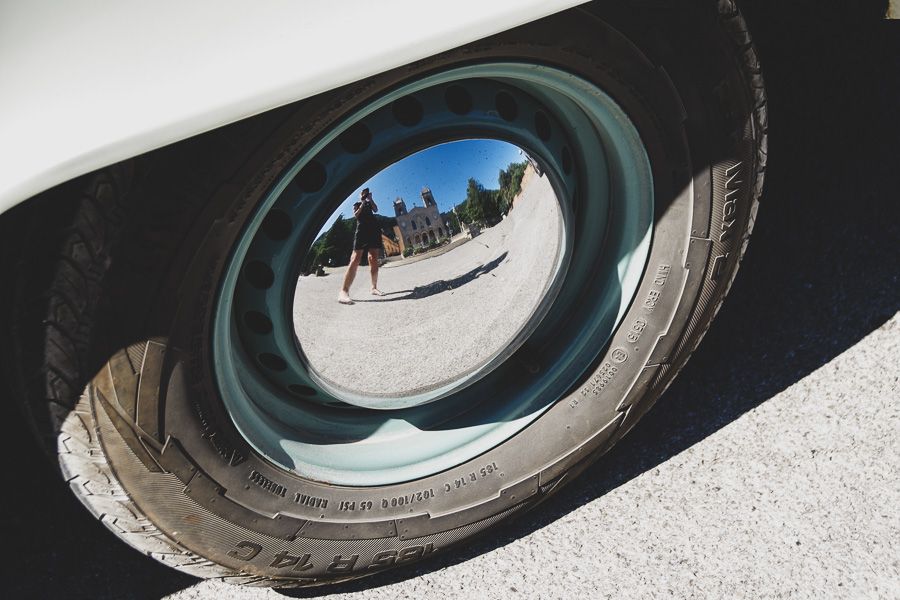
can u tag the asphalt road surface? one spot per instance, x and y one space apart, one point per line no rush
770 468
441 317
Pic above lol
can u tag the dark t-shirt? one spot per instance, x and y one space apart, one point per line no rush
368 234
366 217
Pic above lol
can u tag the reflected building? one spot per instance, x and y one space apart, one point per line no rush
421 225
391 248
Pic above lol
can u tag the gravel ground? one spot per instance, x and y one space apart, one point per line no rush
441 317
771 466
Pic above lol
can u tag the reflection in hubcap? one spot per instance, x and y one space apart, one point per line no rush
452 306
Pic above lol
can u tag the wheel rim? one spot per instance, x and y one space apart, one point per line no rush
600 172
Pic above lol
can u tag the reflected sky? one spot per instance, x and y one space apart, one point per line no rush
445 169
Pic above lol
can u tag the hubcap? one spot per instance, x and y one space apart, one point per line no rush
595 161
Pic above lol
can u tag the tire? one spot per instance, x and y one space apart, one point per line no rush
113 326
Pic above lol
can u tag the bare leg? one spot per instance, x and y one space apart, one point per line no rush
373 269
349 276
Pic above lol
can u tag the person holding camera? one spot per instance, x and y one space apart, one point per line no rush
366 239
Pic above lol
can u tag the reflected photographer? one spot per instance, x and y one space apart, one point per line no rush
366 239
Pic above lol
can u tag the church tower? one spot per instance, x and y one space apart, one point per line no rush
399 207
428 197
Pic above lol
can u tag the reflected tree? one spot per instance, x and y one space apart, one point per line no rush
510 180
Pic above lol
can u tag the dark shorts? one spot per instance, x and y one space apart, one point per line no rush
366 238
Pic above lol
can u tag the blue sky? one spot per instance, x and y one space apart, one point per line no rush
445 169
